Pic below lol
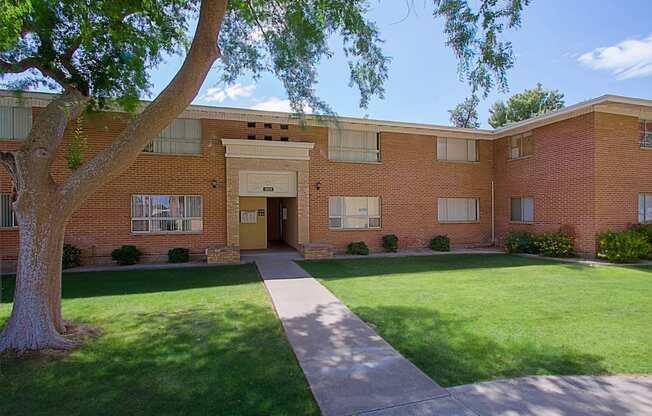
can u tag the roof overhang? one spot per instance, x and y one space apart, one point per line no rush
635 107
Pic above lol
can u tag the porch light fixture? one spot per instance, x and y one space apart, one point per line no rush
214 183
318 185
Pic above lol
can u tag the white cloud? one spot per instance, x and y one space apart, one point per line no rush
277 104
631 58
231 92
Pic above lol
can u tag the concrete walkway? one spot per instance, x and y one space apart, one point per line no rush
351 370
349 367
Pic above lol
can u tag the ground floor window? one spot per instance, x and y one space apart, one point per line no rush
522 210
346 212
458 209
7 216
166 213
645 208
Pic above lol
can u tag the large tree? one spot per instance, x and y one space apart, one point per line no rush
525 105
98 54
465 114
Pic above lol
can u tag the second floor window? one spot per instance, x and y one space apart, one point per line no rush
457 149
353 145
15 122
521 145
645 134
182 136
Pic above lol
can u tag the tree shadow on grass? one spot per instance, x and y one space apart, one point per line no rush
226 361
130 282
444 348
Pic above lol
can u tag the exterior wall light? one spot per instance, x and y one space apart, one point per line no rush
318 185
214 183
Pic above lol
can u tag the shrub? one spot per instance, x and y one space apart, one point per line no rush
358 248
555 245
644 229
71 256
126 255
390 243
179 255
623 246
520 242
440 243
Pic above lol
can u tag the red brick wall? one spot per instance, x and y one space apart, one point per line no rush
559 176
409 179
622 171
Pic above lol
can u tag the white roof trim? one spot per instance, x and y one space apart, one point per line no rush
40 99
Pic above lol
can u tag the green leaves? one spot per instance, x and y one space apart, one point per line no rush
525 105
474 36
465 114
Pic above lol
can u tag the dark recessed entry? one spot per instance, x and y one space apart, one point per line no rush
251 124
268 137
268 125
285 139
251 137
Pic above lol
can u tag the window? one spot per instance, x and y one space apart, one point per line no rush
15 123
522 210
521 145
182 136
458 209
251 124
268 125
646 134
251 137
353 212
457 149
645 208
166 214
7 216
353 145
284 126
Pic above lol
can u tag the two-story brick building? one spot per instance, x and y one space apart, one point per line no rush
228 180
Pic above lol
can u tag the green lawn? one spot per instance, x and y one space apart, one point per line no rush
199 341
467 318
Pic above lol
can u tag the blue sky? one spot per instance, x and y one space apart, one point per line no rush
560 44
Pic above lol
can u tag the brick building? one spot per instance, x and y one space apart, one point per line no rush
221 180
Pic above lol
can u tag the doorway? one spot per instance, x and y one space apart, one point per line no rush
282 223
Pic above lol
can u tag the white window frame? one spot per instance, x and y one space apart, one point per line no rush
645 134
521 147
645 208
165 145
442 149
26 113
337 151
6 201
442 210
523 212
150 218
343 216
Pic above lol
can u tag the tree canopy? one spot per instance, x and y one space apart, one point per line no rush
525 105
465 114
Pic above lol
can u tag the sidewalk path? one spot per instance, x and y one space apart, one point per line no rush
350 368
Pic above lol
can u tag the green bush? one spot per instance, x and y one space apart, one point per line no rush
644 229
440 243
179 255
521 242
358 248
555 245
623 246
126 255
71 256
390 243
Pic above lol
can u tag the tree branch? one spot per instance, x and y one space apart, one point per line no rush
31 63
178 94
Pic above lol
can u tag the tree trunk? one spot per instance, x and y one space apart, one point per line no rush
35 321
